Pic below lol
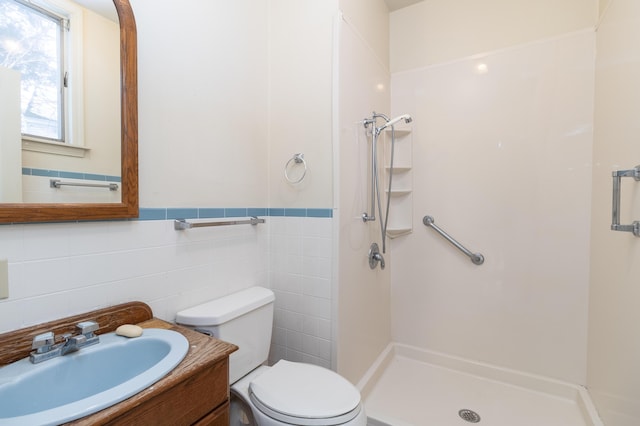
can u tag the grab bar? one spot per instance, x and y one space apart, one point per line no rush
182 224
56 183
615 207
476 258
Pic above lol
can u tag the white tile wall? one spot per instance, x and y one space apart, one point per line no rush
301 277
58 270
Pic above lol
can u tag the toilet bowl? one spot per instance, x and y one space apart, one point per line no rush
291 393
287 393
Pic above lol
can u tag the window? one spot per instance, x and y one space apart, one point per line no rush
32 41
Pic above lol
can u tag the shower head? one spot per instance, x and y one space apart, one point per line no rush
406 117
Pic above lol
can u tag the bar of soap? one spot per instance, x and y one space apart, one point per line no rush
129 330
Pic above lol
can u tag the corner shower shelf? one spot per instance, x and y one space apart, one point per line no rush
401 194
399 169
398 232
399 132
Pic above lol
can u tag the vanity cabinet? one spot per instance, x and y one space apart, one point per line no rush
195 392
218 417
202 399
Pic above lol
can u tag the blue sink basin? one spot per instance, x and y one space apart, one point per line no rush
84 382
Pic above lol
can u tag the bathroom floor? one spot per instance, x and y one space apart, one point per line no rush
411 392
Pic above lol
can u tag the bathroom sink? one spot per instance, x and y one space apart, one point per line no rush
84 382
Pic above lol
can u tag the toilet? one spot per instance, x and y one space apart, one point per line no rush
287 393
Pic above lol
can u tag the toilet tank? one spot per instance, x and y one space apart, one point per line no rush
244 318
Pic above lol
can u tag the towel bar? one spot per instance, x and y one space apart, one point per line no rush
56 183
182 224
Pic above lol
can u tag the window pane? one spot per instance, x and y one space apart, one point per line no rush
30 42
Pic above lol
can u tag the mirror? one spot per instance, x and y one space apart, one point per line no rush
127 207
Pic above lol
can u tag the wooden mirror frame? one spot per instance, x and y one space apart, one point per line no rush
128 206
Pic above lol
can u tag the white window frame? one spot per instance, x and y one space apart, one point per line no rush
73 105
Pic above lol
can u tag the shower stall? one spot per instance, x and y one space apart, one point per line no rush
499 143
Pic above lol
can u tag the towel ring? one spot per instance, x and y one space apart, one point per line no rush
297 159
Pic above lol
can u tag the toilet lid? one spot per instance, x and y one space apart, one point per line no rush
305 391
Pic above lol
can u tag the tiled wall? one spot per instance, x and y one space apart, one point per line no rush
300 273
62 269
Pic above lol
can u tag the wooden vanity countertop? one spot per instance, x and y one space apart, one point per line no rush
204 352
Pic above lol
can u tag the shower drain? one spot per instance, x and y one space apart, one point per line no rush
469 415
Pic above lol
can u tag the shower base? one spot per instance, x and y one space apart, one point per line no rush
410 386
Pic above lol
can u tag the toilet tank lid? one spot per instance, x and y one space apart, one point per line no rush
219 311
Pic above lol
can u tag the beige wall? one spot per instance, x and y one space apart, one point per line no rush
435 31
363 294
370 19
203 102
614 317
602 7
10 144
102 92
256 92
299 101
502 139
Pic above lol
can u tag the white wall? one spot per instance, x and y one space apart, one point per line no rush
101 80
435 31
10 137
502 152
614 318
202 103
370 19
363 301
300 61
57 270
299 69
301 275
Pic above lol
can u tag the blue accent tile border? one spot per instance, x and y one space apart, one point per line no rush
210 213
182 213
319 212
160 213
69 175
275 212
201 213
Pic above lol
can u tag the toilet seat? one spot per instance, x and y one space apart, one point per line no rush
304 394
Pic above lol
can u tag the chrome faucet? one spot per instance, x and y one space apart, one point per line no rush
44 346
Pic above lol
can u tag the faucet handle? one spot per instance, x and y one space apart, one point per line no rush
87 327
42 342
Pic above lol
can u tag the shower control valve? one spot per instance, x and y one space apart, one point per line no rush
375 257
